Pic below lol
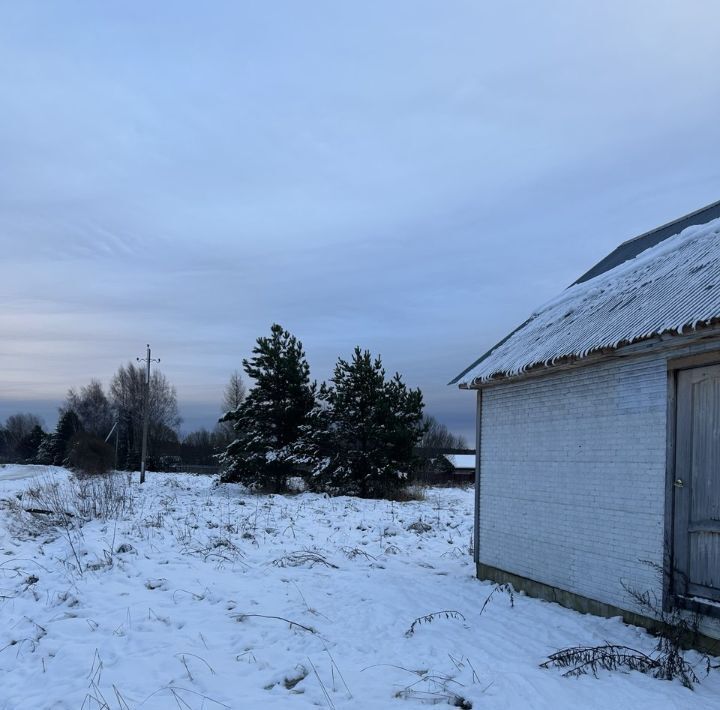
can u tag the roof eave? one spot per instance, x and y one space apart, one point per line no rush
668 340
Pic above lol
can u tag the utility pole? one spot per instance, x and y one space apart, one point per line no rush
146 411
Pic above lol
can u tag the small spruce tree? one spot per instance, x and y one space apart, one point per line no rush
45 453
68 425
361 436
268 421
29 445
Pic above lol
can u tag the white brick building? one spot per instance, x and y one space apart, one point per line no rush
598 435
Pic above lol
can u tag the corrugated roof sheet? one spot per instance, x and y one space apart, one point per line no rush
667 288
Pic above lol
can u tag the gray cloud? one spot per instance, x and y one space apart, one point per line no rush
412 177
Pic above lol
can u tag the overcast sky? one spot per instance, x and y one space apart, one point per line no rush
413 177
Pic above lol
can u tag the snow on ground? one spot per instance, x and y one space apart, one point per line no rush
185 602
18 473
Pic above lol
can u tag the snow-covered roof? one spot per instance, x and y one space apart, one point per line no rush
669 288
462 460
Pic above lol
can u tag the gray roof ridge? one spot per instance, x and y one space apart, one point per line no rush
630 248
627 250
672 223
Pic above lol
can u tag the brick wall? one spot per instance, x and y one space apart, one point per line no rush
572 489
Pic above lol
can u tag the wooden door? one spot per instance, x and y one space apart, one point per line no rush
696 568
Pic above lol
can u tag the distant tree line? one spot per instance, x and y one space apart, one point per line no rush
20 437
90 415
86 419
358 434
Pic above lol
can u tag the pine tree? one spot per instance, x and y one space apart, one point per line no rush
268 420
68 425
361 435
30 444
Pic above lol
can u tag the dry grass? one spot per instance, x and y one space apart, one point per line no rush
405 495
78 498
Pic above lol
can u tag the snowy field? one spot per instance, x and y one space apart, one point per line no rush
202 596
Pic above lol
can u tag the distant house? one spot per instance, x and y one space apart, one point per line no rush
598 434
463 465
442 467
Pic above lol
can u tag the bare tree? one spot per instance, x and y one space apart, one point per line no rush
438 436
92 407
18 427
233 397
234 393
127 398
